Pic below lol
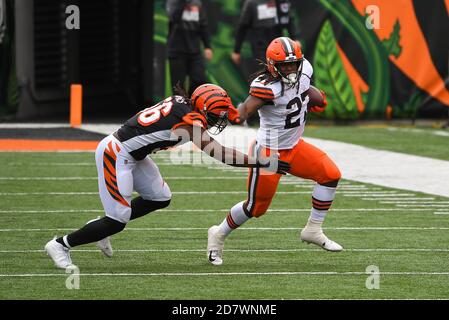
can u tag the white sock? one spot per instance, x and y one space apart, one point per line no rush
64 238
322 198
235 218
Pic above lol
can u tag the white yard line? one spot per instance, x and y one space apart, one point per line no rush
227 210
174 192
414 202
386 250
423 205
377 195
242 228
208 274
95 178
399 199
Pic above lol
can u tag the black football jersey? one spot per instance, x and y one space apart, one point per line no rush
151 129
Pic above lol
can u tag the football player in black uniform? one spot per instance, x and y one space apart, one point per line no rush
123 165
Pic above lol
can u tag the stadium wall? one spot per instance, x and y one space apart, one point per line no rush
376 59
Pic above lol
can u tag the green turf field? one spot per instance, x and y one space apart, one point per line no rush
163 256
422 141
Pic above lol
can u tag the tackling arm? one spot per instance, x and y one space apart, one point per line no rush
230 156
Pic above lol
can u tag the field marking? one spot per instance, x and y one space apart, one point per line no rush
92 164
242 228
200 274
175 192
415 202
225 210
403 199
423 205
42 164
51 211
375 195
95 178
438 212
433 250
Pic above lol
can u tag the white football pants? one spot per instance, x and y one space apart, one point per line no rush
119 174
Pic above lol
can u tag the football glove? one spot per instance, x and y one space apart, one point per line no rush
233 115
319 108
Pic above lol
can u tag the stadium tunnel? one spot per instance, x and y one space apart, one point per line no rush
111 55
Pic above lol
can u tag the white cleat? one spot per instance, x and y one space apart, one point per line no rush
215 244
105 247
105 244
317 237
59 254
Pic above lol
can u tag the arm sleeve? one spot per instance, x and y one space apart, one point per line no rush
245 23
260 92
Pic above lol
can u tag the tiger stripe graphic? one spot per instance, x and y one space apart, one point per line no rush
110 176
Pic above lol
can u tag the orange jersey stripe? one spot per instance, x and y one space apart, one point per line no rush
267 90
262 96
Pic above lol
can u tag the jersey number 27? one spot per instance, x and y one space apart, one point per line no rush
296 103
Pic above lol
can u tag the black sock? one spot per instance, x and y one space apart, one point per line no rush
141 207
59 240
93 231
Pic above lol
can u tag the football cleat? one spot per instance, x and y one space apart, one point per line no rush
215 244
59 254
105 247
312 233
105 244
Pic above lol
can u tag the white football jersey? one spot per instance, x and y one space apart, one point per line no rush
283 118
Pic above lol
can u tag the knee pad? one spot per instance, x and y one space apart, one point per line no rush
166 192
330 171
260 207
163 194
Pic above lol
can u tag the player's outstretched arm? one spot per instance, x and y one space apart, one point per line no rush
230 156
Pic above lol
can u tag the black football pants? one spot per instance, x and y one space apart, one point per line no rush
191 66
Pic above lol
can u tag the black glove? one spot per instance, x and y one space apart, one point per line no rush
273 163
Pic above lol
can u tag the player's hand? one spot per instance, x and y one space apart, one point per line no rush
235 57
208 54
274 164
234 115
319 109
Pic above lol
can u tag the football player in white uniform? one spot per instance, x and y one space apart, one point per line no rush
123 164
280 94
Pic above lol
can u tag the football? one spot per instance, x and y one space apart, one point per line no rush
315 97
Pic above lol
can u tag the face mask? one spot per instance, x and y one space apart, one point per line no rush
291 78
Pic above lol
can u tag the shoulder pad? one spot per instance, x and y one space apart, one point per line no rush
261 89
307 68
192 119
